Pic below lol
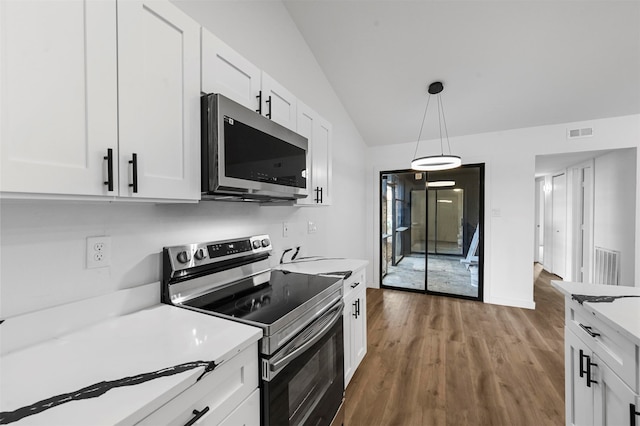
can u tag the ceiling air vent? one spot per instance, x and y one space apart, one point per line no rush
579 133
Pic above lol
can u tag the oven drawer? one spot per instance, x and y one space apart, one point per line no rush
219 393
615 350
355 281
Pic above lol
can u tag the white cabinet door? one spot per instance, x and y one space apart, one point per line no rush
578 396
227 72
278 103
359 330
58 97
246 414
318 131
612 397
321 160
347 321
159 100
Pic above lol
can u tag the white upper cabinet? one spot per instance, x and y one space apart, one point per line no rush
318 131
73 90
278 103
58 96
227 72
159 101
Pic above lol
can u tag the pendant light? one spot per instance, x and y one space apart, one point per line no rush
442 161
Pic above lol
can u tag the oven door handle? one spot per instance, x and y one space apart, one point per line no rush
330 318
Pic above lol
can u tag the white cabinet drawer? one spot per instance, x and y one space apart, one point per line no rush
356 280
615 350
221 391
247 413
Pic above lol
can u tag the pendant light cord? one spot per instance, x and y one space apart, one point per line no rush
422 126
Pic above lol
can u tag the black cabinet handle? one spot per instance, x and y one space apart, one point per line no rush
582 370
632 414
196 416
134 163
269 102
321 195
589 331
589 364
109 159
354 285
259 97
357 308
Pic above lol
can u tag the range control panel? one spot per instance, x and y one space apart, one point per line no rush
192 255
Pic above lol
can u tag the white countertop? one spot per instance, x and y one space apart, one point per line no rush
146 341
623 314
323 265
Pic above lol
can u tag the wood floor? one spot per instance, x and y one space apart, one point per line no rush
441 361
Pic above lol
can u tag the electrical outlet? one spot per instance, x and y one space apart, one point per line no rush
285 229
98 252
311 228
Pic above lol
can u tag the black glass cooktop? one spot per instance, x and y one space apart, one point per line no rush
268 302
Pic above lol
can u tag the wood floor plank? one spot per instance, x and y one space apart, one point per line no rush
434 360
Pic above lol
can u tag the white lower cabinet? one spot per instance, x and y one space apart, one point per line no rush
601 372
355 323
228 395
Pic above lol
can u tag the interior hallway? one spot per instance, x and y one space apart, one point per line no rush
436 360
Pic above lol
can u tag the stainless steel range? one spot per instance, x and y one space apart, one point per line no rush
301 352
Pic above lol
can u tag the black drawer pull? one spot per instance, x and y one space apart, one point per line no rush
197 415
134 172
632 414
259 97
588 330
582 370
109 159
354 285
269 102
589 364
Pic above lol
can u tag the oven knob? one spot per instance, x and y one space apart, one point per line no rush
199 254
256 244
266 242
184 257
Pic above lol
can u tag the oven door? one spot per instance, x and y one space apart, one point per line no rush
303 383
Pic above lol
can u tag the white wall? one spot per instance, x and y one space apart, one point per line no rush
614 209
42 248
509 194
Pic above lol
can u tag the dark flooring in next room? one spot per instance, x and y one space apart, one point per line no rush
435 360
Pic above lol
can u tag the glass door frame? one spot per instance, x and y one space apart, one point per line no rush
481 223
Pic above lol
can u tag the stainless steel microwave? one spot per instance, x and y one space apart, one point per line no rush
248 157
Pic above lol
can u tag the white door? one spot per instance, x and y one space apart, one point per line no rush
159 100
538 249
58 96
278 103
559 223
227 72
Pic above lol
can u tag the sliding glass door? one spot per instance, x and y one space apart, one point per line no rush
431 230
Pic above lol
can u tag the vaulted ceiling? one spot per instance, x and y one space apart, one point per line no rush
504 64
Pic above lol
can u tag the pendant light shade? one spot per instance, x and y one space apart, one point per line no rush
441 161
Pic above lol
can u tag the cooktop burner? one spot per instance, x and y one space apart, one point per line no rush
266 304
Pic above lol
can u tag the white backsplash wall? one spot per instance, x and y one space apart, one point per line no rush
44 243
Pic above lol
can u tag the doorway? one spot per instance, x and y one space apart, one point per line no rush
431 231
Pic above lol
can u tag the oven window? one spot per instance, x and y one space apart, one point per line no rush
310 384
